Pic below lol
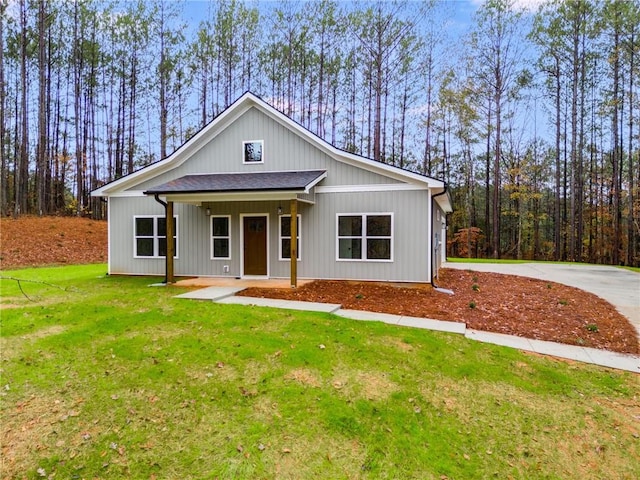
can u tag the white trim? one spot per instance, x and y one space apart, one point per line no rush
198 198
241 237
364 237
222 121
244 144
179 156
155 238
109 228
340 155
212 238
129 193
430 239
379 187
280 237
315 182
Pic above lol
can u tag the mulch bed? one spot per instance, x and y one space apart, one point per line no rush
485 301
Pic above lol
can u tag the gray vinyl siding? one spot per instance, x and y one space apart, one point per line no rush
439 220
410 237
318 247
439 233
284 150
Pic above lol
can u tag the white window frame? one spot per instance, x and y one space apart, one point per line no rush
281 237
364 238
244 159
212 237
156 237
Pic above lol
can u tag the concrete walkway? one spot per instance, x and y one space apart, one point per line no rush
603 358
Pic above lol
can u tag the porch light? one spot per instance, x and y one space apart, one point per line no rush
279 210
208 211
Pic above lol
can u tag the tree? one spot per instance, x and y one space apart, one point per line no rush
497 60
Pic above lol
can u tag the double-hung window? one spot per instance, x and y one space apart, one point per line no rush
285 237
150 236
367 236
220 237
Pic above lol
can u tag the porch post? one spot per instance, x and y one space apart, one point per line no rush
170 243
294 243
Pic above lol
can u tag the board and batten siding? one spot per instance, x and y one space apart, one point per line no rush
439 234
284 150
411 231
411 234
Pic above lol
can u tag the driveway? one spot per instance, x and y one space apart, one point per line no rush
618 286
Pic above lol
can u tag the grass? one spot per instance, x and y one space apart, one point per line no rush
502 260
110 378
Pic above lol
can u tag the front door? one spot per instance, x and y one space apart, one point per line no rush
255 245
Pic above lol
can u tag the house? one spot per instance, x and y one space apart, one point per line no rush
253 180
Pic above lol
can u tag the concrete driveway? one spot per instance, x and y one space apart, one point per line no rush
618 286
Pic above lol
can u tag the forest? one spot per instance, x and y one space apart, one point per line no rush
530 112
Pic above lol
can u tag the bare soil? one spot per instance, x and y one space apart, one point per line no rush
484 301
31 241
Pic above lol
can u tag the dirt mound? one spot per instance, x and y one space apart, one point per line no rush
31 241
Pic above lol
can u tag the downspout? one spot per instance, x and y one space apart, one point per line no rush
166 260
433 267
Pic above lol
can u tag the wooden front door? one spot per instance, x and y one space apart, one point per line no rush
255 245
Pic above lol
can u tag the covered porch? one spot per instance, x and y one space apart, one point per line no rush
205 191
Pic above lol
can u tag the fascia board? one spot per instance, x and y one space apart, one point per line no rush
199 198
178 157
345 157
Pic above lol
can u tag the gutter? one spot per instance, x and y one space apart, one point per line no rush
166 261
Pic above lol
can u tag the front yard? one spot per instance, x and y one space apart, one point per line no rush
110 378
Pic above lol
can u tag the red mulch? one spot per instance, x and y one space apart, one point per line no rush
498 303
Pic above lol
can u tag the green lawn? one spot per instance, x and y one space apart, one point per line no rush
110 378
502 260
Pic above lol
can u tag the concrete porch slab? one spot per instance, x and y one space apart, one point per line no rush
211 293
240 283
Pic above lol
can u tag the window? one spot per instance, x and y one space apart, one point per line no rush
365 236
150 236
220 237
252 151
285 237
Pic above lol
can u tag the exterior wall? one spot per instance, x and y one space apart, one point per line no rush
284 150
411 232
439 240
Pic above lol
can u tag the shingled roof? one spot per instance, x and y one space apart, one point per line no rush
239 182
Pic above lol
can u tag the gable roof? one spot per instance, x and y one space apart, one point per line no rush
241 182
226 118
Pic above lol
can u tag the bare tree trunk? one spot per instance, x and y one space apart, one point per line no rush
487 183
41 149
617 153
4 184
78 111
22 168
631 238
